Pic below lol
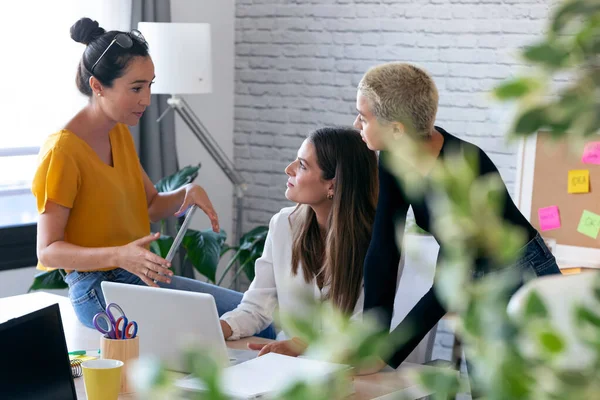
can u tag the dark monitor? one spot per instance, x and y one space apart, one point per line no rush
34 359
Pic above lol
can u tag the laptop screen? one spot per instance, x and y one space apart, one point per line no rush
34 358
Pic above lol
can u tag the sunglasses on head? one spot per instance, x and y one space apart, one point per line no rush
125 40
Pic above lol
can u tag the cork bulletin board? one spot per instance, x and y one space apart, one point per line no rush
543 183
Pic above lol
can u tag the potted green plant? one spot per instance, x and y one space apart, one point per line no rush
203 249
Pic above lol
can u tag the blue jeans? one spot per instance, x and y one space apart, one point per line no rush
536 260
87 298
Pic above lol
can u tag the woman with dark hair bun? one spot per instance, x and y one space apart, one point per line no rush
94 198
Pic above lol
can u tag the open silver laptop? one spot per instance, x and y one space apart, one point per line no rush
169 320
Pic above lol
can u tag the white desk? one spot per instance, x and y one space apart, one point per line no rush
381 385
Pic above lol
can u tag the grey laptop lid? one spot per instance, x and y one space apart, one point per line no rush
169 320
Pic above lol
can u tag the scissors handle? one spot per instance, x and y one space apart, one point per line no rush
128 333
118 331
112 316
109 331
129 330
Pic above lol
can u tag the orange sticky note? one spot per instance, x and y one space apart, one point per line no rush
579 181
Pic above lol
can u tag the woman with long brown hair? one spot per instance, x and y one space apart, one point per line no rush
318 247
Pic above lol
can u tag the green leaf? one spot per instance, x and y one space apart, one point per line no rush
572 378
596 287
563 14
204 250
597 293
534 307
570 10
531 121
373 344
444 382
249 261
586 316
48 280
203 365
549 54
513 380
227 248
551 342
162 245
178 179
256 235
515 88
251 248
472 318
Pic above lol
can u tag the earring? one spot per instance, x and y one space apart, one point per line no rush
330 196
98 93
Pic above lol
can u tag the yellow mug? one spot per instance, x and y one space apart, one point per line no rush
102 379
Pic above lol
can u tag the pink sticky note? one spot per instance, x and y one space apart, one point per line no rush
549 218
591 153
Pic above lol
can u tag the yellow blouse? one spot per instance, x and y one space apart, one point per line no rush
108 204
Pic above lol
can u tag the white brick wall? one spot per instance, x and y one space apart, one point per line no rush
298 63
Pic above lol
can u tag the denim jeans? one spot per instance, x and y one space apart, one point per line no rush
536 260
87 298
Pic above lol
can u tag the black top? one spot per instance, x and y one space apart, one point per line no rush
383 256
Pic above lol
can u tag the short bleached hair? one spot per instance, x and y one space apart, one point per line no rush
400 92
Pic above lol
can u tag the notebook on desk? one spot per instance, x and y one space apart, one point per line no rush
267 375
34 359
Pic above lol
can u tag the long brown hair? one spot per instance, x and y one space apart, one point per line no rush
337 260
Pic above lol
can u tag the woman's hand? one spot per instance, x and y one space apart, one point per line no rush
285 347
135 258
195 194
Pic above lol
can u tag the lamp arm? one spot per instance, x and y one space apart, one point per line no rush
210 144
216 152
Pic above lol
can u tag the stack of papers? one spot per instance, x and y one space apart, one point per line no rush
266 375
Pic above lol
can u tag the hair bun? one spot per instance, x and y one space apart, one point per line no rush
86 31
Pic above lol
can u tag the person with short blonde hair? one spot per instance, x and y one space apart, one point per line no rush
402 92
397 105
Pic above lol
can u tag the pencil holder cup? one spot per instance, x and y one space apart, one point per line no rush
126 350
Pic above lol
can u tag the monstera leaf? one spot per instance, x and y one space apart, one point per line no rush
178 179
48 280
249 250
203 249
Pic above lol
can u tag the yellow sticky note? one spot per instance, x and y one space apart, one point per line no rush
579 181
